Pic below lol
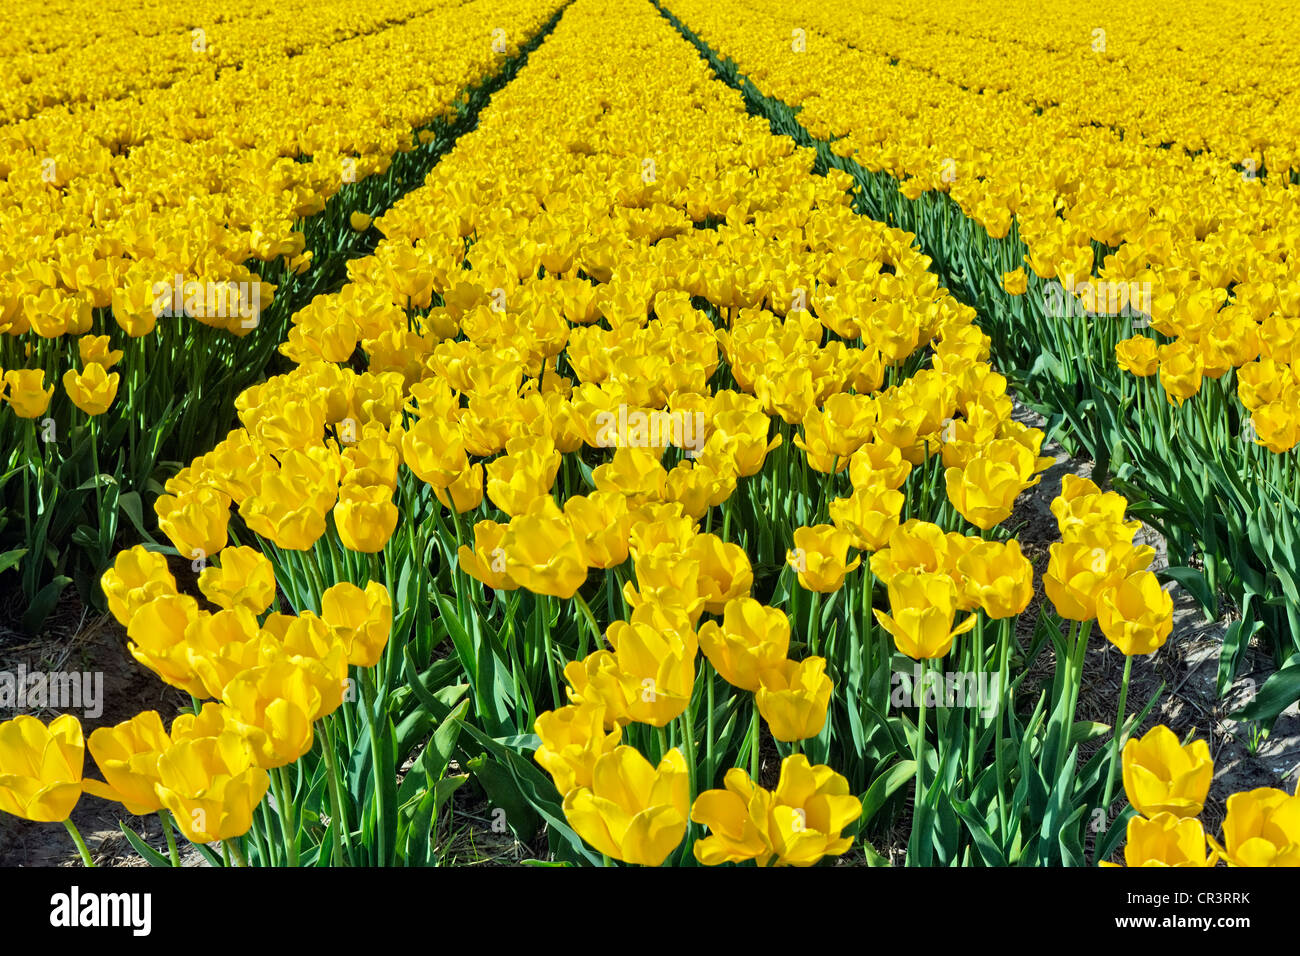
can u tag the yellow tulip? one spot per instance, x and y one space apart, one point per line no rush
1167 840
211 786
812 805
1137 614
820 557
363 619
27 394
136 578
41 767
365 517
91 390
794 697
632 811
752 637
1163 776
127 756
244 578
1262 828
573 738
922 608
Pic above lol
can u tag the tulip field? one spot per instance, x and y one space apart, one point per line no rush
695 433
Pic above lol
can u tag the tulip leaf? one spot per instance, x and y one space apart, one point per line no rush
884 787
1280 691
151 856
1194 582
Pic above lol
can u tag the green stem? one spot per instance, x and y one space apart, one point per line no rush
165 817
81 844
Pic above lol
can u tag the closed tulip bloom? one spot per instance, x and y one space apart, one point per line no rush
1138 356
542 553
486 561
211 786
996 578
362 619
1076 576
245 578
820 557
632 811
1262 828
27 395
1167 840
573 738
752 637
984 492
91 390
365 517
1015 282
465 493
657 669
195 521
737 818
278 703
136 578
812 805
793 698
922 608
218 647
156 638
127 756
1163 776
1181 371
1137 614
869 515
41 767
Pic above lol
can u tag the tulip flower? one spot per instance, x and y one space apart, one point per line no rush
244 578
812 804
486 561
869 515
1262 828
363 619
27 394
136 578
41 767
127 756
751 638
633 812
1138 356
996 578
542 553
794 697
91 390
1137 614
211 786
656 668
1163 776
365 517
922 608
1166 840
820 557
195 521
573 738
277 704
738 821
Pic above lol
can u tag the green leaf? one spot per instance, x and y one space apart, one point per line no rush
150 855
